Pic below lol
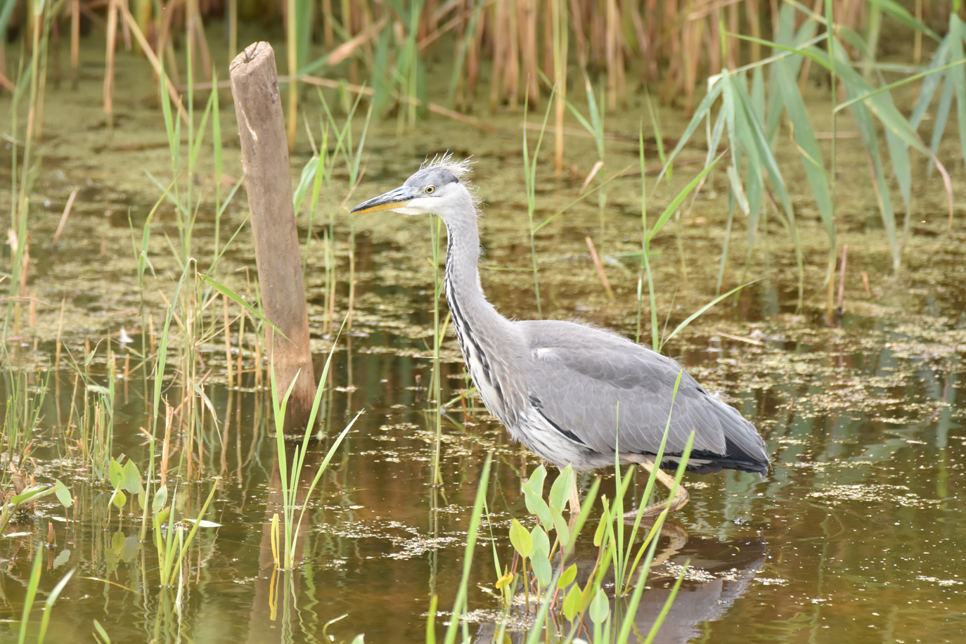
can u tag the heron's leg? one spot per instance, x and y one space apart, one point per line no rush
674 503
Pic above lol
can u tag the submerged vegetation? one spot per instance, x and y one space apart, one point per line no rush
138 432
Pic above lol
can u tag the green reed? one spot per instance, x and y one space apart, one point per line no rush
286 556
33 585
530 163
439 284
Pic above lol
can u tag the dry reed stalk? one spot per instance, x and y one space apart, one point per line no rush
109 67
600 267
60 332
733 53
196 30
473 56
328 36
753 16
865 284
577 20
63 217
714 45
165 47
258 361
74 43
291 48
596 26
643 42
558 13
241 344
151 337
125 30
672 48
653 51
611 47
156 64
817 7
511 74
25 265
166 445
528 47
500 50
368 91
548 42
694 33
32 318
227 322
42 76
845 257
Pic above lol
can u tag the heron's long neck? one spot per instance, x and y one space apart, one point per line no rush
492 347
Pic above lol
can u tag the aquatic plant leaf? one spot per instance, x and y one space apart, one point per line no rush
560 524
115 473
521 539
541 541
117 541
567 576
131 478
560 490
537 506
160 498
540 563
602 526
599 607
572 603
536 480
63 494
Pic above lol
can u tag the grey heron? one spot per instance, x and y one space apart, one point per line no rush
571 393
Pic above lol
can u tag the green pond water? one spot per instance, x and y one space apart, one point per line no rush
854 535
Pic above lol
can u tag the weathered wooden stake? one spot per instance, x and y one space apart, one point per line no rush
268 180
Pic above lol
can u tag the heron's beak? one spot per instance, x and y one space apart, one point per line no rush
391 200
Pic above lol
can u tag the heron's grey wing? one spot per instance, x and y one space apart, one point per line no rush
592 383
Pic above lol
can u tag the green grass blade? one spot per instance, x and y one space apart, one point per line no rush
671 207
807 146
306 180
896 11
237 299
704 108
888 88
691 318
460 604
957 33
49 604
29 595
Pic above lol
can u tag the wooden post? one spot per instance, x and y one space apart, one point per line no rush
268 181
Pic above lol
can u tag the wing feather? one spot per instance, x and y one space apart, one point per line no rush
596 384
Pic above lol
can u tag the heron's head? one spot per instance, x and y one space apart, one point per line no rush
435 188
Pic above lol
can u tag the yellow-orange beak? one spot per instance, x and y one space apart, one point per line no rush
397 198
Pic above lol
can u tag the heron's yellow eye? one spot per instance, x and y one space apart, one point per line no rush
430 189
